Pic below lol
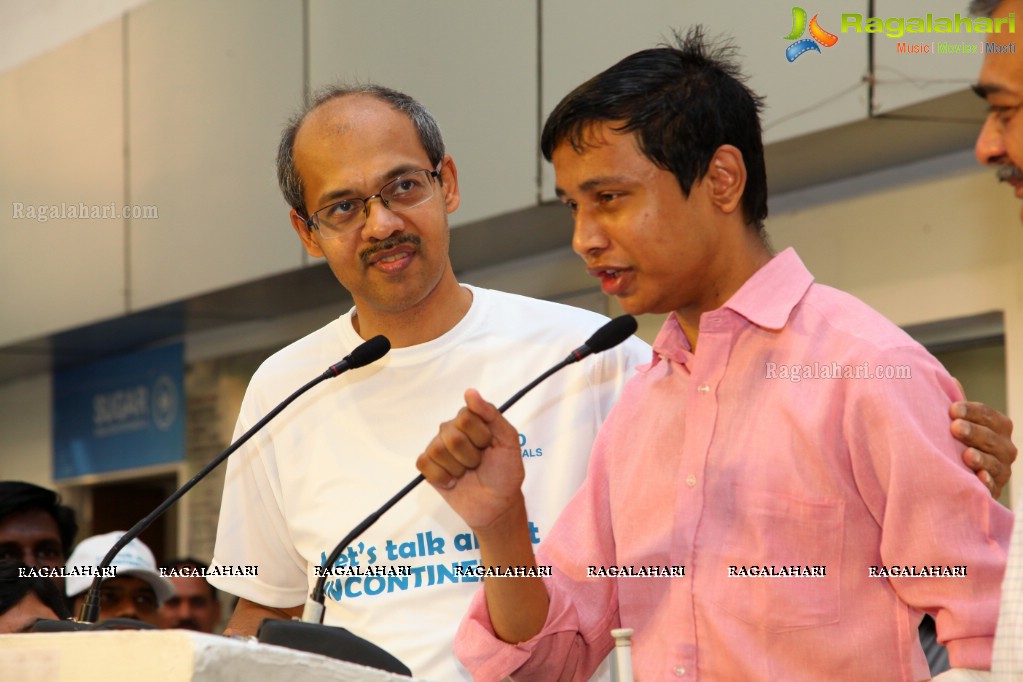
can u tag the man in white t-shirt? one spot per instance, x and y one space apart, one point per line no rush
370 186
347 446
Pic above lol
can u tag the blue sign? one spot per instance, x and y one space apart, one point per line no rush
121 413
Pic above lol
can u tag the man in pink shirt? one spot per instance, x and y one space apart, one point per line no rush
778 483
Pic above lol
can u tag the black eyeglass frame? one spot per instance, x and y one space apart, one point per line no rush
312 222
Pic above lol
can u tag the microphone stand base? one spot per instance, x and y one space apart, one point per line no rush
328 640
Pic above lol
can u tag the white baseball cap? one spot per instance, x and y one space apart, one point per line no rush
134 561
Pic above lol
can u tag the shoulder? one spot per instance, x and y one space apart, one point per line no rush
551 330
304 358
858 335
844 315
549 319
535 322
517 309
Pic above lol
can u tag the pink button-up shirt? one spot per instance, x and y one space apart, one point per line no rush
749 456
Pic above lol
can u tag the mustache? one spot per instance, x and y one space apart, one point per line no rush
390 243
1009 172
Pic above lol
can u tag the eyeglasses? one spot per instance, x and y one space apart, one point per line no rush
345 216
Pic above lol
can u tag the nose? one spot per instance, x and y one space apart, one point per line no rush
588 238
28 557
381 221
990 146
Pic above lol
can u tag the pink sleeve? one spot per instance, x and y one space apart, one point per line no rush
932 509
583 610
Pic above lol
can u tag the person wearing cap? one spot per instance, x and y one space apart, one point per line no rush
136 590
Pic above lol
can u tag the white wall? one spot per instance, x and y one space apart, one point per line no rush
26 441
61 143
177 105
31 28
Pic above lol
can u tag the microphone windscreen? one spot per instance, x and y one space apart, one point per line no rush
612 333
51 625
370 351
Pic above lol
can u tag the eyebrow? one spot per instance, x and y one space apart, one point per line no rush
348 193
985 90
600 181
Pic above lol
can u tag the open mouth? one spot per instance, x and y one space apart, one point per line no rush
612 280
393 258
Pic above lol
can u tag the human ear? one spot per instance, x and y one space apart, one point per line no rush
726 178
305 233
449 187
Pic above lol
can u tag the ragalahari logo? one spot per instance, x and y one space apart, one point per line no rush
817 35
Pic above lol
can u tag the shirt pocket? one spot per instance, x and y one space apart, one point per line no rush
775 532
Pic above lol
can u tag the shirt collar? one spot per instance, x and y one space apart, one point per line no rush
769 296
766 299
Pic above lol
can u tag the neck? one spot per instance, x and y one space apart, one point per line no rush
435 315
733 269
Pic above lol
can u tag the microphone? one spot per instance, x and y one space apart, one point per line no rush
364 354
608 336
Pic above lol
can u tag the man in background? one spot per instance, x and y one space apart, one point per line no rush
135 592
35 529
194 605
1000 144
25 598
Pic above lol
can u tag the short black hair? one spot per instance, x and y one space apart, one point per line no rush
14 587
683 102
18 496
189 562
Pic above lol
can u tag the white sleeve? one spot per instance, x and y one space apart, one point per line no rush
252 531
612 369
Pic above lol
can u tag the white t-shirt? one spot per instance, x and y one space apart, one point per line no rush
348 445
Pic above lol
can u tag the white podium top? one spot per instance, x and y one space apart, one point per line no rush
167 656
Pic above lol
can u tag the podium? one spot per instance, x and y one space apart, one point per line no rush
167 656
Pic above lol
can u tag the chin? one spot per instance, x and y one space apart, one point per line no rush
637 307
630 305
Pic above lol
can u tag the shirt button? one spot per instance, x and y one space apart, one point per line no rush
679 671
703 388
690 480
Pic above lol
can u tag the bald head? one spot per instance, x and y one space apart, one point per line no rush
425 125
